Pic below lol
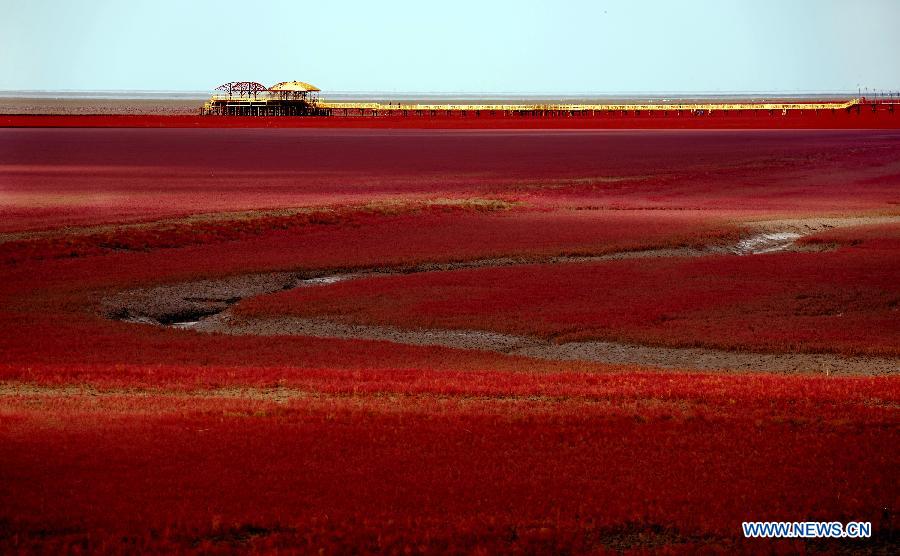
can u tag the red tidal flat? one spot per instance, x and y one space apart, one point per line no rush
55 320
632 461
121 438
54 177
844 301
55 332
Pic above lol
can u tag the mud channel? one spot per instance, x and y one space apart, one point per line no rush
205 306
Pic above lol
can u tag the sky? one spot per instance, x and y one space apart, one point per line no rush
453 45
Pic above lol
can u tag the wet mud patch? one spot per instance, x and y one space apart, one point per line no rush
766 243
769 236
191 301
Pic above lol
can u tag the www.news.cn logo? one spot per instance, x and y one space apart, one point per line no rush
807 529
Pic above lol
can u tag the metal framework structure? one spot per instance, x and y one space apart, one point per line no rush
243 88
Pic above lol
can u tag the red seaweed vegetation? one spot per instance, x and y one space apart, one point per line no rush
218 228
84 177
431 462
121 437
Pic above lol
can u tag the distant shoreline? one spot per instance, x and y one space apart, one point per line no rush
99 107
